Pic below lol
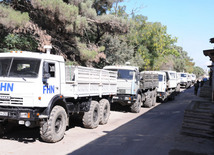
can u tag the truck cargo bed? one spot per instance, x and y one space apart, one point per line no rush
85 81
148 80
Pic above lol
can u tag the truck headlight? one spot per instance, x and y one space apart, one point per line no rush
24 115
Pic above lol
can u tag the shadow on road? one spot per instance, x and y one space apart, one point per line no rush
156 132
22 134
150 133
30 135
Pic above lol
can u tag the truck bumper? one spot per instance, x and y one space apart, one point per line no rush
161 95
183 83
124 99
19 113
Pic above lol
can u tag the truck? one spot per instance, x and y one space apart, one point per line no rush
178 77
38 89
193 78
184 80
189 80
134 88
167 85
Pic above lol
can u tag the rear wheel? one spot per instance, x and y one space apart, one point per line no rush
154 98
148 102
91 118
137 105
104 111
54 128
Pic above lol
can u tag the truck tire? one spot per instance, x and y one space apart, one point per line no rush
154 98
54 128
137 105
104 111
148 102
1 130
178 88
91 118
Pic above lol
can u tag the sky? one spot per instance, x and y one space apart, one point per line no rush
191 21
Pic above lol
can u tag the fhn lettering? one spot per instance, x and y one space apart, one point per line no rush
6 86
48 89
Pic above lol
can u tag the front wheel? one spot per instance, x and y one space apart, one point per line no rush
137 105
54 128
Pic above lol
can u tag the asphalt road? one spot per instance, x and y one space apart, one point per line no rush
154 131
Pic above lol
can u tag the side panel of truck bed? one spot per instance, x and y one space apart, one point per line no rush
85 81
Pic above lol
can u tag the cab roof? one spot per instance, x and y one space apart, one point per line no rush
122 67
27 54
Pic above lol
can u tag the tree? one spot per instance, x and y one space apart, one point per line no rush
150 40
74 28
198 71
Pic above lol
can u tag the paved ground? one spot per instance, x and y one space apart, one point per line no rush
153 131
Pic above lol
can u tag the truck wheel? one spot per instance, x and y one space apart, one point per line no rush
148 102
154 98
104 111
54 128
1 130
137 105
91 118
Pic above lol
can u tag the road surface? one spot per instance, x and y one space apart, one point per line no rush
154 131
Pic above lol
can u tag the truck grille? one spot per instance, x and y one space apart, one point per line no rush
6 99
16 100
121 91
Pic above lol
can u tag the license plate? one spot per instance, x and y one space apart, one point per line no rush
3 113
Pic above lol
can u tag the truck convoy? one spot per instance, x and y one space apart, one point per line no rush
39 90
135 88
187 79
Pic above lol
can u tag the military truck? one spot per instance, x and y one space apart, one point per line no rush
167 85
38 89
135 88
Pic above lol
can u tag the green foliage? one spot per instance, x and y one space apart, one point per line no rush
198 71
151 40
117 51
86 54
102 6
19 42
90 32
12 19
68 14
182 61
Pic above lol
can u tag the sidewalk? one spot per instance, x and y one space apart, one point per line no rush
199 115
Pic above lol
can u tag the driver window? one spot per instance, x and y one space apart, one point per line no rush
51 67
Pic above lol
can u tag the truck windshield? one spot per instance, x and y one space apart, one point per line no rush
124 74
183 75
160 77
19 67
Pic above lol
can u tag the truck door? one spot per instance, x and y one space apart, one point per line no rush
51 86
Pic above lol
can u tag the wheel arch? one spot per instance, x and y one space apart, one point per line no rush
56 100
